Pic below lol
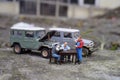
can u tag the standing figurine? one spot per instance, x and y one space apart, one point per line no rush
79 45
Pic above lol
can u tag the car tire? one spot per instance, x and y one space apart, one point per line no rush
85 52
90 53
45 53
17 49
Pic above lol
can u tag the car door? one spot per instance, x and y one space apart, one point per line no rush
57 37
67 37
16 36
29 40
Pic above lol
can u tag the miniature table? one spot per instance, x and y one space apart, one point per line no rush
72 53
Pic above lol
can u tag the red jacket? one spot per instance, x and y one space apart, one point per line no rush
80 43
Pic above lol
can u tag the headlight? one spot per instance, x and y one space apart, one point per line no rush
55 43
91 44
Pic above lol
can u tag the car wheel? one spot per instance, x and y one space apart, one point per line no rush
90 53
45 53
17 49
85 52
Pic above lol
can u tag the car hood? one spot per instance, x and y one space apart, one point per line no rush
47 36
87 41
50 42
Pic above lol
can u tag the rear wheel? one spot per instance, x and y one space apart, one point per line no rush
17 49
85 52
45 53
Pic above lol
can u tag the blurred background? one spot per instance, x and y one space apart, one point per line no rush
75 9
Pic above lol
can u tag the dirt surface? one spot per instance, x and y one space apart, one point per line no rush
102 65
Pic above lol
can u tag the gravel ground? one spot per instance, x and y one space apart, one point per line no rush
102 65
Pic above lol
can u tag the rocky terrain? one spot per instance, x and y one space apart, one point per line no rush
102 65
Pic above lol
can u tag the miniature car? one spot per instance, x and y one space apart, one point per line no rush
70 35
28 37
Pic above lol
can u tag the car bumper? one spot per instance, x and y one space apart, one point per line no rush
93 49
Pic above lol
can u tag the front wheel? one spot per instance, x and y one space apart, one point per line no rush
85 52
45 53
90 53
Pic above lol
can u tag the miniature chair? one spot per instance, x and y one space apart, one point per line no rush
52 59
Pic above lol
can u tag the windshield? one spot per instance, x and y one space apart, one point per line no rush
76 35
40 34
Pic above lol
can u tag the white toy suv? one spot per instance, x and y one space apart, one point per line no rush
70 35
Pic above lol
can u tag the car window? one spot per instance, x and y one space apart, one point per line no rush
12 32
67 35
29 34
19 33
57 34
76 35
40 34
16 33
